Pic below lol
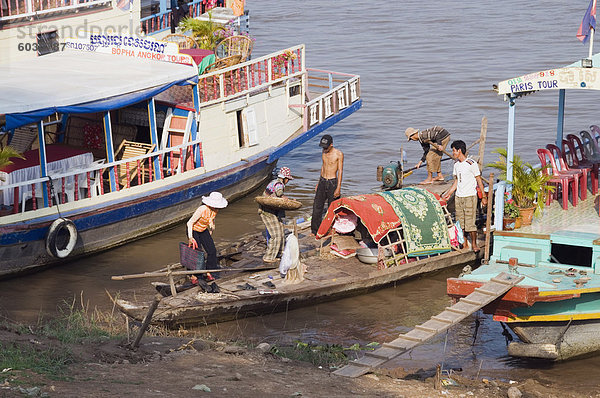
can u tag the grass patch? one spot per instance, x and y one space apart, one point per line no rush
327 355
74 324
52 362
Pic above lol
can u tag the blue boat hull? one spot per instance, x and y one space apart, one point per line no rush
113 223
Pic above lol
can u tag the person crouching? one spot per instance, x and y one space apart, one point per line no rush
273 218
202 223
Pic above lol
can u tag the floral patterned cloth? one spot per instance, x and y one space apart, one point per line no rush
375 213
422 217
418 210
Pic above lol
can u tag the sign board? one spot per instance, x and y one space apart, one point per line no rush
553 79
130 46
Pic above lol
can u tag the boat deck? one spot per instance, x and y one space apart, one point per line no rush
581 218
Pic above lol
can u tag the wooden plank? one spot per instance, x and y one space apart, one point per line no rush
421 333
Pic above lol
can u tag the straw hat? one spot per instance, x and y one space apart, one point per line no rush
215 199
410 131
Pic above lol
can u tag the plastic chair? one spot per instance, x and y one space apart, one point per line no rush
574 162
559 181
562 168
590 146
595 130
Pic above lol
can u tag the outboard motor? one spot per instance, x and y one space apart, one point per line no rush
390 175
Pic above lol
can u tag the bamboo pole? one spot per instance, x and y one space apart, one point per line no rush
179 273
482 137
488 220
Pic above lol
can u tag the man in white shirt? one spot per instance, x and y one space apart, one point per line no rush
466 179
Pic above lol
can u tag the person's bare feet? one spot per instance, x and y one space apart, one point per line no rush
439 178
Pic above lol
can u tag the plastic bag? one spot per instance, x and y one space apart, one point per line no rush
459 233
290 258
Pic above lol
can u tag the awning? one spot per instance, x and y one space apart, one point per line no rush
82 82
572 76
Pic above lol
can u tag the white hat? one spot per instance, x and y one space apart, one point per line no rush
215 199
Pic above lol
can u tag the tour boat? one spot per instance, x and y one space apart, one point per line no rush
122 137
555 309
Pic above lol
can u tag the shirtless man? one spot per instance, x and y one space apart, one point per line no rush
330 184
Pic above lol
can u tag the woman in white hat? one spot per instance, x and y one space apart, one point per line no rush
273 218
202 222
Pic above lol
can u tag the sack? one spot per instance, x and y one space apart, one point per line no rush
191 259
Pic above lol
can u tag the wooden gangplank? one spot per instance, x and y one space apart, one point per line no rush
481 297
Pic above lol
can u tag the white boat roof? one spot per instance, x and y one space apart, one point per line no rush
572 76
71 78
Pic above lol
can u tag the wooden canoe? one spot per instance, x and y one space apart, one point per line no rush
328 278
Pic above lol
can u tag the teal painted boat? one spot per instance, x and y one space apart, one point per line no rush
555 310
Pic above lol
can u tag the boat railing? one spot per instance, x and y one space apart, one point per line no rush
330 102
15 9
251 76
134 171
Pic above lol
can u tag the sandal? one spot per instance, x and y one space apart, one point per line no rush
269 284
556 272
247 286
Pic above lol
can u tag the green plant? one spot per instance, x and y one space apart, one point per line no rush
529 184
204 32
6 154
510 208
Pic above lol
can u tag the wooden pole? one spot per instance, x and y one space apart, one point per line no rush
488 220
171 281
147 320
482 137
178 273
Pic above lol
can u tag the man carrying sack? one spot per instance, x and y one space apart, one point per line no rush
273 218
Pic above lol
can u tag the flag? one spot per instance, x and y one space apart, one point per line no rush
588 22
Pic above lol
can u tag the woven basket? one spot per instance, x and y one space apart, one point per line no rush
278 203
191 259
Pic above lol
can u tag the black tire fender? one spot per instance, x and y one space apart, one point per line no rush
55 228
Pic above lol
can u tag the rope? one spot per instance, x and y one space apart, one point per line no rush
507 336
52 193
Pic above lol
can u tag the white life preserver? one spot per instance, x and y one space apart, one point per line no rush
55 229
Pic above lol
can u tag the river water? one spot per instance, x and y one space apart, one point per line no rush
421 64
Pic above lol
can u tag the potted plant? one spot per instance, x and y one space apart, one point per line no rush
204 32
512 214
529 185
6 154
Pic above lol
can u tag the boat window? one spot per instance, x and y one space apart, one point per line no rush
242 141
47 42
571 255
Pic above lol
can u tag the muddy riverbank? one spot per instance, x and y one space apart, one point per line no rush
189 366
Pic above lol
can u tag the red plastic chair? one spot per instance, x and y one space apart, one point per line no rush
559 181
583 159
562 168
574 162
595 130
590 146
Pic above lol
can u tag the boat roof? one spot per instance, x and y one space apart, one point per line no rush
572 76
82 82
